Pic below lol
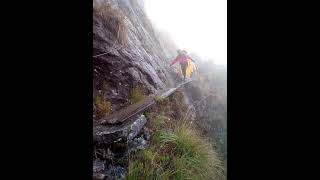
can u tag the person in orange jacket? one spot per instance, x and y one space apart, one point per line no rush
182 58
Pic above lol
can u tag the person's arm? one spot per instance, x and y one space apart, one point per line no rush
175 60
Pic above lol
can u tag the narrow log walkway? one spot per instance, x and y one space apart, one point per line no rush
118 119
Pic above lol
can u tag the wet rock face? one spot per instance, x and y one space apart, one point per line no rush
138 61
211 119
126 55
210 111
102 171
112 147
127 131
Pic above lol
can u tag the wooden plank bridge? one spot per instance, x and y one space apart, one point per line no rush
121 118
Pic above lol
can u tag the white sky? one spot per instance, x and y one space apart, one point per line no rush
198 26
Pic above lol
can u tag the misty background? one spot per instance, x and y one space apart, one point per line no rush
198 26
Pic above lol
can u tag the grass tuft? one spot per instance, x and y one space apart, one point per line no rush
178 153
101 106
136 95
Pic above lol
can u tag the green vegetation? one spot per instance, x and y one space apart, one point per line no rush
136 95
158 98
176 152
101 107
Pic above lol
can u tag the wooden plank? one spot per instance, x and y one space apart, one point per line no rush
168 93
126 113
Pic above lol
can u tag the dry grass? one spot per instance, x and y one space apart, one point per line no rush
172 107
112 20
101 107
136 95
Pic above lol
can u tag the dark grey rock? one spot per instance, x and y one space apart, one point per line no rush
136 127
98 165
115 172
98 176
105 134
146 133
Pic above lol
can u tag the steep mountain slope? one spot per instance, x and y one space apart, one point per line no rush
126 52
130 62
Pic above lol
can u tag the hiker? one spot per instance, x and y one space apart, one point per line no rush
190 70
182 58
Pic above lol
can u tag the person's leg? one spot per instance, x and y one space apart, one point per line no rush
184 68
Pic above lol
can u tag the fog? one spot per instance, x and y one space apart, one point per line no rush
198 26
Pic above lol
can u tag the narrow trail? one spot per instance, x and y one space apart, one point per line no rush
123 118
